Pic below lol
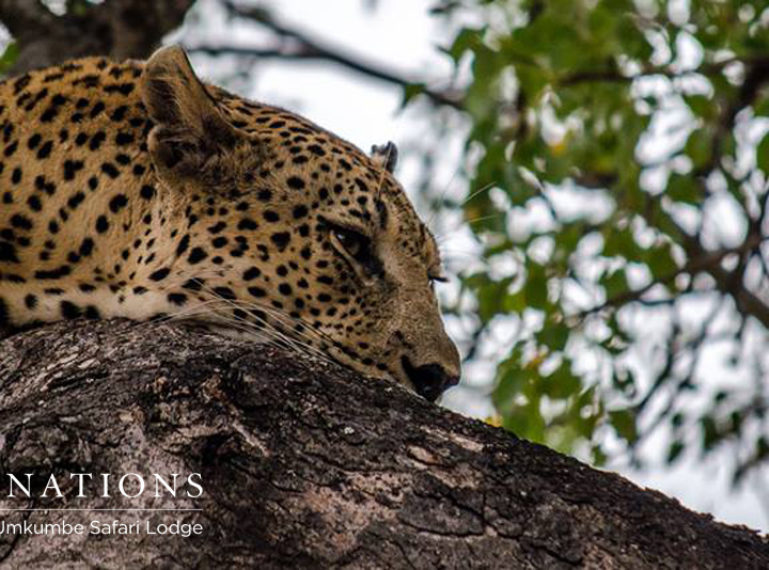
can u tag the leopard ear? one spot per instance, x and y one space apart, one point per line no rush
386 156
189 127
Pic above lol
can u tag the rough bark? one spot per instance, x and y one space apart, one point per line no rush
120 29
306 465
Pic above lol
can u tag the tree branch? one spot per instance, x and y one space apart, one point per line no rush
748 303
614 75
294 476
25 16
707 261
301 46
119 29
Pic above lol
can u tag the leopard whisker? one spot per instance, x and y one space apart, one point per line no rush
237 303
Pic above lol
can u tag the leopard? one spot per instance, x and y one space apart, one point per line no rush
134 189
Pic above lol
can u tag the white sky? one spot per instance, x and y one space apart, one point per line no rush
401 35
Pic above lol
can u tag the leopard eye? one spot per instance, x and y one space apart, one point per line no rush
357 248
353 242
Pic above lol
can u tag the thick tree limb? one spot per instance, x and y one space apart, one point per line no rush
25 16
307 466
120 29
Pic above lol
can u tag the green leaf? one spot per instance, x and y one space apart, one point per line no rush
624 423
615 283
660 261
410 91
466 40
761 107
561 384
674 451
511 383
620 242
683 189
9 57
536 286
710 435
554 336
702 106
699 147
762 155
598 456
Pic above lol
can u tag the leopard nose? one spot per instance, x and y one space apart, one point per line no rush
429 380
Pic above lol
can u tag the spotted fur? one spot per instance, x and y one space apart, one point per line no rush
133 189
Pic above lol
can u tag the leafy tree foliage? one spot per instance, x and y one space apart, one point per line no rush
622 180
